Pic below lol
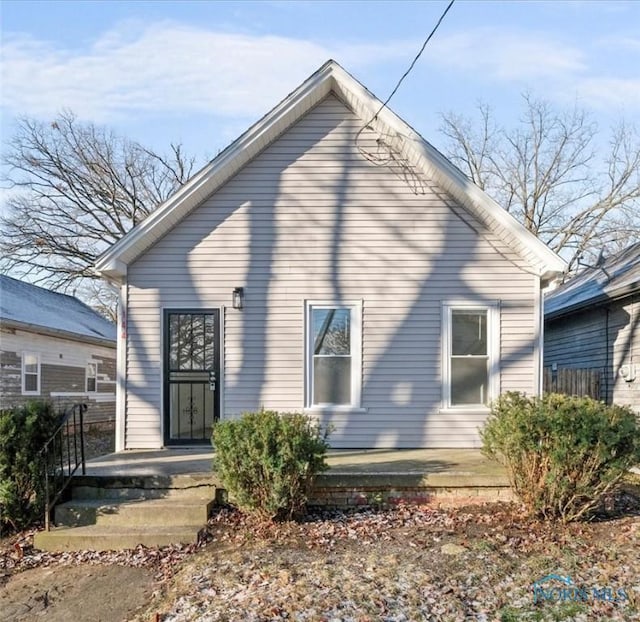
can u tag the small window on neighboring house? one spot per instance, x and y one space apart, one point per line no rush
333 355
92 376
30 373
470 372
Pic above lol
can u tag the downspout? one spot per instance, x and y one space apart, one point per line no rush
632 324
119 287
538 344
607 371
121 377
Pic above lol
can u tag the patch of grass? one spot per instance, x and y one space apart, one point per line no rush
511 614
483 546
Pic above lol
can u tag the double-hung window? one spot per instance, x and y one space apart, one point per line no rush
30 373
92 377
470 355
333 358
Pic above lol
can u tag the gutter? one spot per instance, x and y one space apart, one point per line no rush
54 332
617 294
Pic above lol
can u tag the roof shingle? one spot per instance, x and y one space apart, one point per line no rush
38 307
615 277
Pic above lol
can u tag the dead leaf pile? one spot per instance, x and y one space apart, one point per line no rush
409 563
18 555
412 563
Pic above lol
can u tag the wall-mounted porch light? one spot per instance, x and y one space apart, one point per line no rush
238 298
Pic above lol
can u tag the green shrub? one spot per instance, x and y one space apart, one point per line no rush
562 454
266 461
23 432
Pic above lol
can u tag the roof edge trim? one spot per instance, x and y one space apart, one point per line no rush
53 332
226 158
331 76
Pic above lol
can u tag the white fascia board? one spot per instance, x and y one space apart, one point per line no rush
112 270
436 166
330 76
218 171
472 196
112 261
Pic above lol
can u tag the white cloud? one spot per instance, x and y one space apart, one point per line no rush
167 67
620 42
507 56
554 69
623 93
170 68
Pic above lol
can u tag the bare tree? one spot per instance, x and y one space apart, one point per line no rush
550 173
76 188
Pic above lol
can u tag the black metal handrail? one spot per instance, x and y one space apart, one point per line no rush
63 454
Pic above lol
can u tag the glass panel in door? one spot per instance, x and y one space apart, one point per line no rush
191 376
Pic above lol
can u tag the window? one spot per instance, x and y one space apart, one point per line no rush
92 377
333 355
470 356
30 373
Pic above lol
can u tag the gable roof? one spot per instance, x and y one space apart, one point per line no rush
24 305
330 78
617 276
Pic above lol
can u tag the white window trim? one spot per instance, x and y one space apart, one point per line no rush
86 377
356 355
23 373
493 350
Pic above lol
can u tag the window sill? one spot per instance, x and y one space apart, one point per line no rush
465 409
325 410
71 393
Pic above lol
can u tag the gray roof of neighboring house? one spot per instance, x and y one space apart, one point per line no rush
617 276
39 308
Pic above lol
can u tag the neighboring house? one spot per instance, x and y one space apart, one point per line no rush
53 346
593 322
331 263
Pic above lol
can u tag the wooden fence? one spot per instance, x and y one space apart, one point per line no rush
580 382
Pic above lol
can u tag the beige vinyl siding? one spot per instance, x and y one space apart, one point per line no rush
310 219
603 337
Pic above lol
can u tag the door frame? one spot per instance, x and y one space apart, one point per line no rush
166 398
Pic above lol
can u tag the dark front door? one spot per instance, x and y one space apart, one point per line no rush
191 375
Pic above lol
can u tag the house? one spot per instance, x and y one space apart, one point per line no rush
53 346
330 261
593 322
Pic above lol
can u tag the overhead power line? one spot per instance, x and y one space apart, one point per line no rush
415 60
384 154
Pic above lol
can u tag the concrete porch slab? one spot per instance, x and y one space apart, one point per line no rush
152 462
441 463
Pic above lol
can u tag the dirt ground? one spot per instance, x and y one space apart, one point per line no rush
477 563
409 564
102 593
78 593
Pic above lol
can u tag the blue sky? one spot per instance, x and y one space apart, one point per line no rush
201 72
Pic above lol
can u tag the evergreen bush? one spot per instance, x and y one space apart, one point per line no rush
267 461
23 432
562 454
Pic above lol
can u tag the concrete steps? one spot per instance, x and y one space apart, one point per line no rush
111 513
112 538
140 512
144 486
